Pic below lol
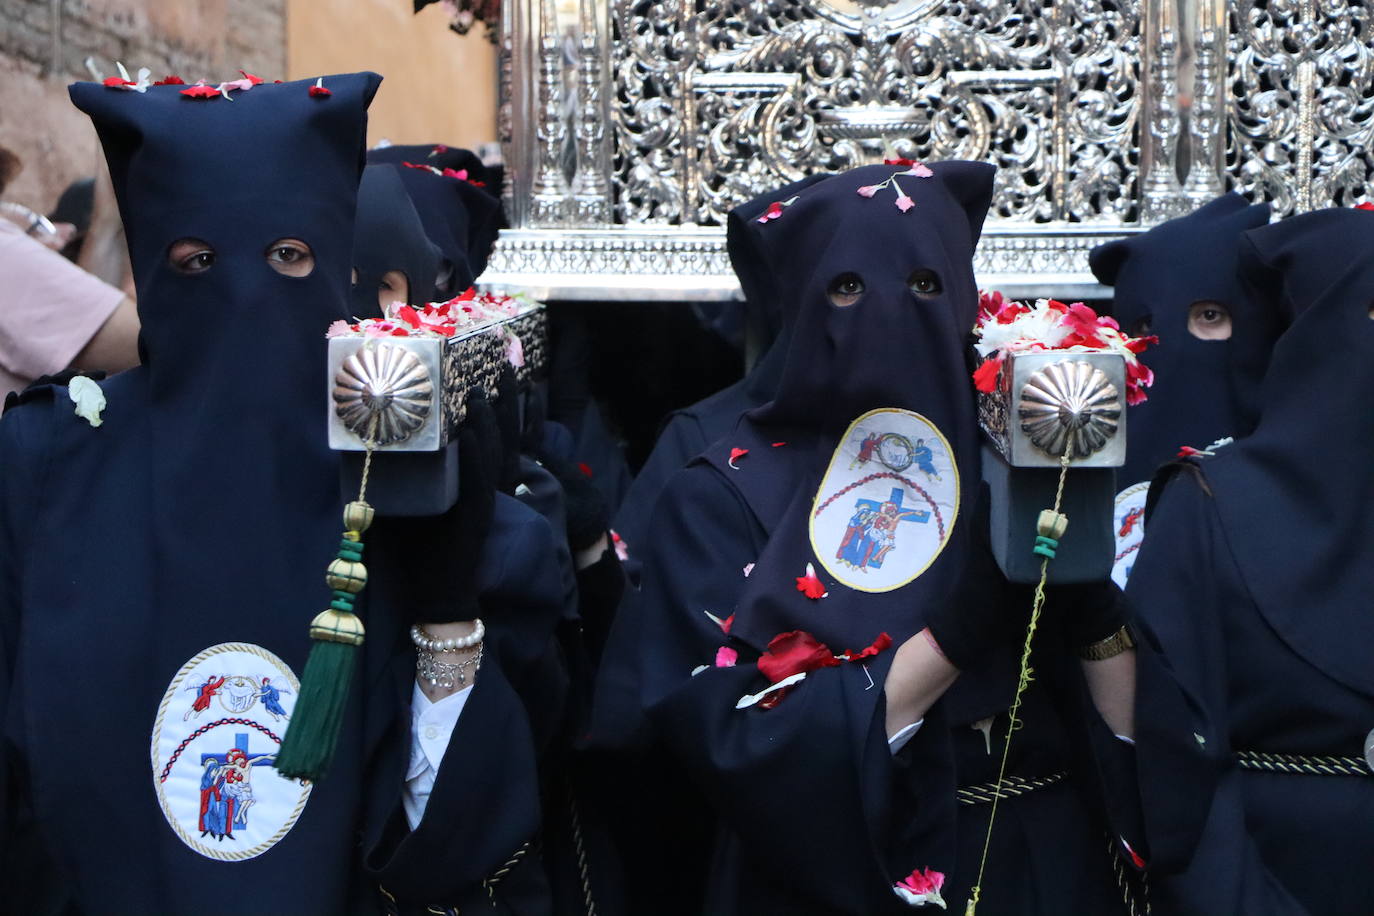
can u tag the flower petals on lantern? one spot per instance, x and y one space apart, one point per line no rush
985 376
1004 328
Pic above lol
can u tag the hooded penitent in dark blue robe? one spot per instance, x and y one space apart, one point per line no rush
687 432
459 216
1256 580
158 571
1203 390
387 236
814 812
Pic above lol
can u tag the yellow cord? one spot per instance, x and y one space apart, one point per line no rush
370 444
1022 682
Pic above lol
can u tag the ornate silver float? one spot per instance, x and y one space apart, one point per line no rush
631 127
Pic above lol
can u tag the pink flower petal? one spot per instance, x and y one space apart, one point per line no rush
904 203
726 657
920 171
869 190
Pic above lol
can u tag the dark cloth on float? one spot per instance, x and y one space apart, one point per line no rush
1203 390
388 235
813 812
1261 605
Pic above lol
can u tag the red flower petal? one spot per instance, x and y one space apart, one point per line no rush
255 80
438 148
115 82
899 162
810 586
878 645
1187 451
792 653
1136 860
200 92
408 315
585 468
1365 206
727 623
319 92
736 453
170 80
779 444
985 377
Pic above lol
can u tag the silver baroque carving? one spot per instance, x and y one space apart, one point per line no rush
678 110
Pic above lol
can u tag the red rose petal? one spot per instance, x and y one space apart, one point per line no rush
255 80
736 453
200 92
114 82
170 80
985 377
792 653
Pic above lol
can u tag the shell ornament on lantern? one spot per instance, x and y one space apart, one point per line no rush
383 393
1070 406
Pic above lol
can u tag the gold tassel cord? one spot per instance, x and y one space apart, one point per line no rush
1022 682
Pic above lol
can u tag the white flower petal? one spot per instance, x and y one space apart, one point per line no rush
88 398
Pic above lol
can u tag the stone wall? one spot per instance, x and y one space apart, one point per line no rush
44 46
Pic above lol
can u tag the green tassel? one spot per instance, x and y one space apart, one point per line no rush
307 749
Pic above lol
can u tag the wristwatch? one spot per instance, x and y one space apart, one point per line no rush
1115 644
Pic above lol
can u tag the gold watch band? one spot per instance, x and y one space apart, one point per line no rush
1115 644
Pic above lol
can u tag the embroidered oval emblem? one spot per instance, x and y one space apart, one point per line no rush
1128 526
214 742
887 503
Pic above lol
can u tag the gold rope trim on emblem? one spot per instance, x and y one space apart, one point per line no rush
173 690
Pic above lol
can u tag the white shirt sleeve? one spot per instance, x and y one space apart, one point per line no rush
899 740
431 726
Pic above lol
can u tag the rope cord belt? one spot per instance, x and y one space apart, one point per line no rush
986 792
392 907
1302 764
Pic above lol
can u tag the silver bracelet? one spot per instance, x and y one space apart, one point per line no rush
444 674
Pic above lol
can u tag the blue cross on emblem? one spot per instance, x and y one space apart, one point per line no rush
241 745
872 530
